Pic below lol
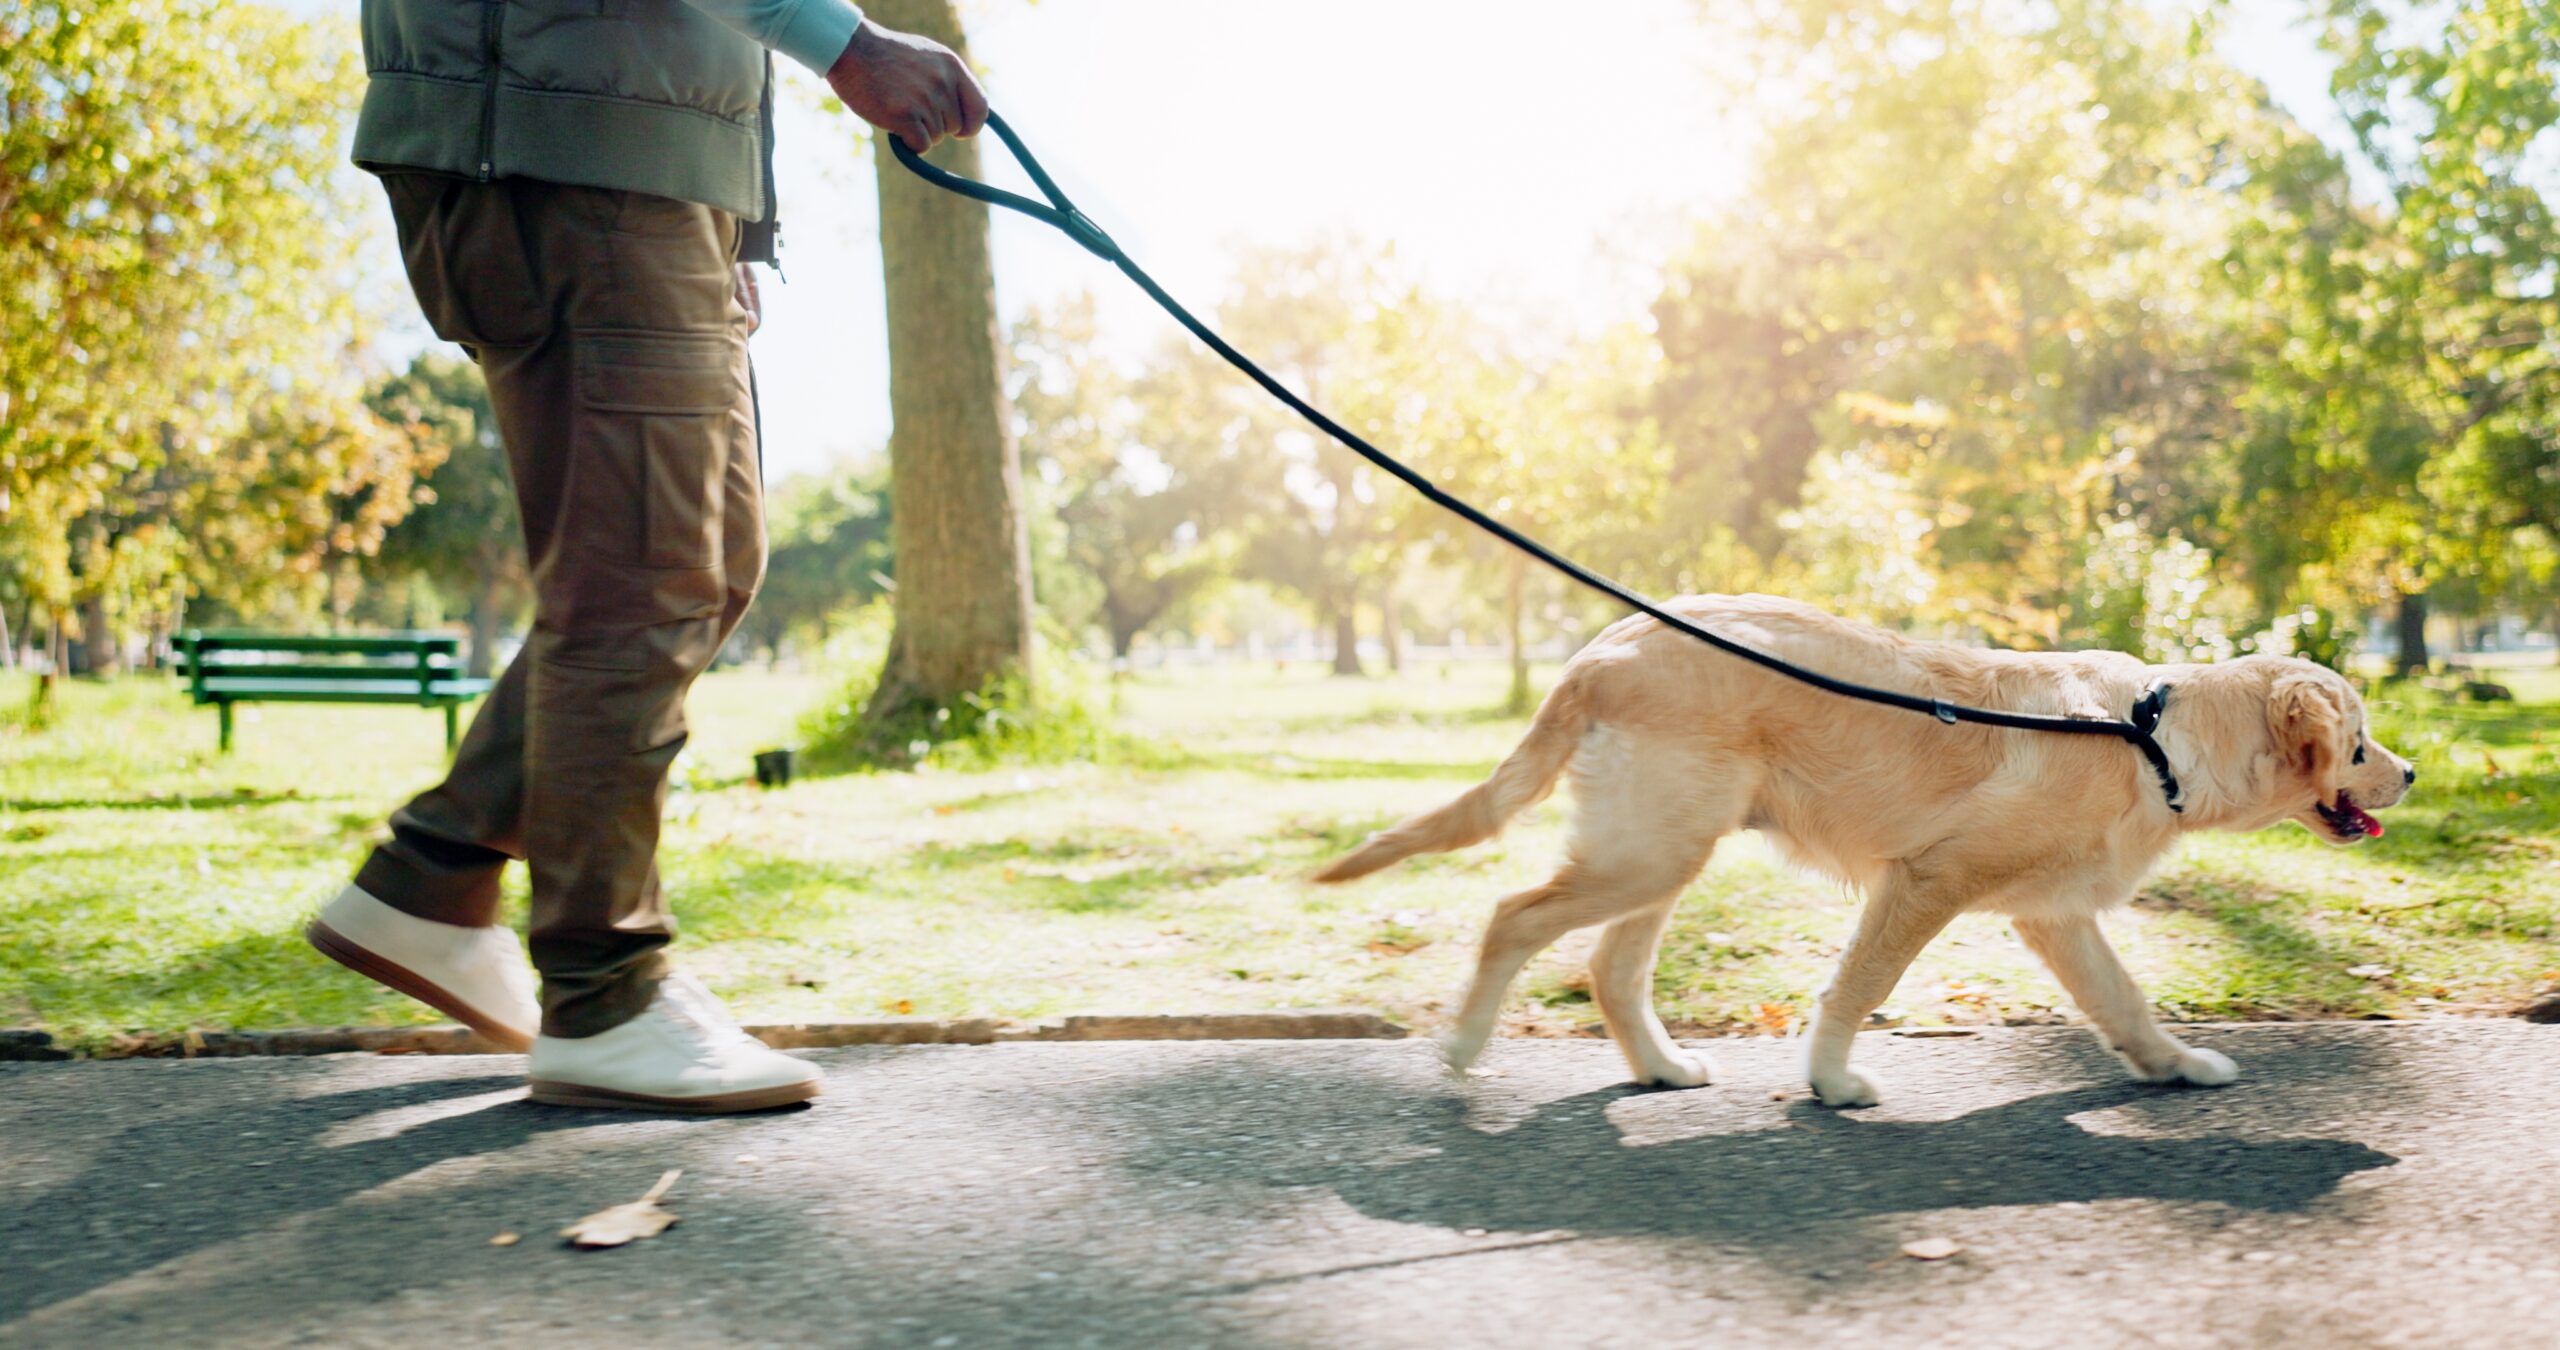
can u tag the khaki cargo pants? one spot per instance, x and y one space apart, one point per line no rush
616 357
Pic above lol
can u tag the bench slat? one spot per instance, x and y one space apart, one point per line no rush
375 644
350 691
221 670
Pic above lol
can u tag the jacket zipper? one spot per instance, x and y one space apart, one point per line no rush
490 25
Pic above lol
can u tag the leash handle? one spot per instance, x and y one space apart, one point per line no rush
1057 213
1062 215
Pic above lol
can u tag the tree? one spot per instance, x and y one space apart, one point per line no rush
1974 272
1563 449
964 570
463 536
1153 478
829 554
1300 312
2447 104
180 407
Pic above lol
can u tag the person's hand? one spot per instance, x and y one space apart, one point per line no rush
914 88
749 298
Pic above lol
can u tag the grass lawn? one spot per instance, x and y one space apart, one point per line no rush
150 885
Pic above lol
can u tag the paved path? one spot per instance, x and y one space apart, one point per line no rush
2362 1185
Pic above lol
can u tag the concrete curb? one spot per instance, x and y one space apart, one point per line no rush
1331 1025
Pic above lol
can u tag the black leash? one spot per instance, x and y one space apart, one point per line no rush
1062 215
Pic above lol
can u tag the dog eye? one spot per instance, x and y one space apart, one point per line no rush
2359 759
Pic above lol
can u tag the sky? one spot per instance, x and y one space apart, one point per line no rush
1540 166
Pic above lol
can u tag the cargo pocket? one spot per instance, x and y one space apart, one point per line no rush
651 460
467 261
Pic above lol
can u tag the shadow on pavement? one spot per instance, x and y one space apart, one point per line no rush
1716 1169
1568 1167
188 1177
1133 1194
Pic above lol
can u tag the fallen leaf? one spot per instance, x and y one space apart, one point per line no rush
1930 1249
904 1006
1774 1018
1389 947
506 1239
625 1223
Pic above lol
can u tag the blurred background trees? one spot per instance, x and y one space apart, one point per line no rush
2037 324
181 351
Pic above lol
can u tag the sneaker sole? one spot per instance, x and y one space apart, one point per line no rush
552 1092
392 975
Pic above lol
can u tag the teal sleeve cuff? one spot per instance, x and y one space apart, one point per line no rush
816 33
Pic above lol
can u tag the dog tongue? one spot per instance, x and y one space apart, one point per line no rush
2364 820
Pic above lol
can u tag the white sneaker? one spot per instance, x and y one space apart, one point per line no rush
476 976
682 1053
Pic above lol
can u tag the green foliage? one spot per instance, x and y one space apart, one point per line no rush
1003 723
1969 265
179 394
2403 435
828 556
464 526
1152 487
462 538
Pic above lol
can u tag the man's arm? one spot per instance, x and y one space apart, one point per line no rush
912 87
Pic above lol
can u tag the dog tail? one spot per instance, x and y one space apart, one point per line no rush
1521 781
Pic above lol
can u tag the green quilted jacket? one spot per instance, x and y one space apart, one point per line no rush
671 97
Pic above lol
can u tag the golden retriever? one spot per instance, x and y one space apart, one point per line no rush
1672 745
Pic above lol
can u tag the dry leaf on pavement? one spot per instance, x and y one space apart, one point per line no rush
506 1239
1930 1249
625 1223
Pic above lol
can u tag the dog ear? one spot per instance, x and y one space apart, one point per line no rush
2305 715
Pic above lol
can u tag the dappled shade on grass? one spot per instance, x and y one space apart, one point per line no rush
148 884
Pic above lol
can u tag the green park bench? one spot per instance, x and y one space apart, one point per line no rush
423 669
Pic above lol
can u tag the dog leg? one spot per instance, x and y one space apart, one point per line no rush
1622 982
1522 926
1636 842
2076 951
1899 920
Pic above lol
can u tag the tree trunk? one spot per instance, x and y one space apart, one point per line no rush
483 622
1346 637
2411 626
963 601
8 645
98 647
1515 605
1390 631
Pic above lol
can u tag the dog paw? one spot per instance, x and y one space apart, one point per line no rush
1459 1051
2205 1068
1679 1069
1848 1087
